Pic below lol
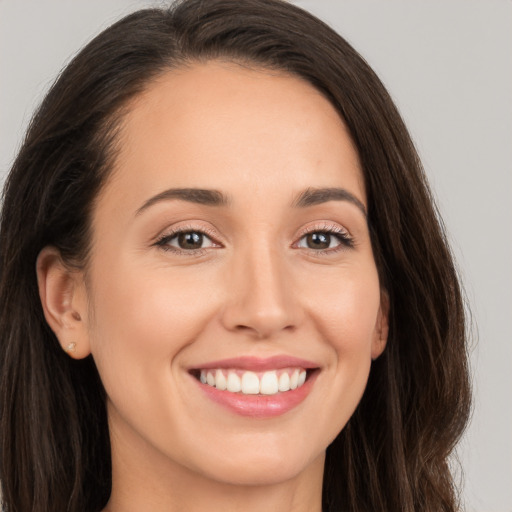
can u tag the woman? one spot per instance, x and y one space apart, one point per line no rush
224 284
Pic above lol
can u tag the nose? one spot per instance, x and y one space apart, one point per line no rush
260 295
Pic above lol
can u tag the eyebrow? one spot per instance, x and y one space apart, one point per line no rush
314 196
211 197
192 195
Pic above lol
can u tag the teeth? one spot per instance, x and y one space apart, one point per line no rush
251 383
234 383
294 379
284 382
269 385
220 380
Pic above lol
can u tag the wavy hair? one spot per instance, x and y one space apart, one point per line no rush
54 440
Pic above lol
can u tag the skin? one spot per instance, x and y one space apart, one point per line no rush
256 288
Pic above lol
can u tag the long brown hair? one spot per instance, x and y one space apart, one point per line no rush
54 440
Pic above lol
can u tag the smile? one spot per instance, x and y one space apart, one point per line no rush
255 387
254 383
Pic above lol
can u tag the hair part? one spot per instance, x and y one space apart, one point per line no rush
54 440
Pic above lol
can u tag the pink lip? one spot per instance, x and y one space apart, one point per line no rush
260 406
257 364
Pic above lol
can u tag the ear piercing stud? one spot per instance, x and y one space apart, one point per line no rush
71 347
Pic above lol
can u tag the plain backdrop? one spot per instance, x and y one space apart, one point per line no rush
448 65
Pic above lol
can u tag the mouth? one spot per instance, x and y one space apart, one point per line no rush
257 387
246 382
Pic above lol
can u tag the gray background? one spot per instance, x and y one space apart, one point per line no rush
448 65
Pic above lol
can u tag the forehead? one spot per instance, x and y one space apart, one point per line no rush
221 125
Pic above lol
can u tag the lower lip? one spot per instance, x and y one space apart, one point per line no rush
260 406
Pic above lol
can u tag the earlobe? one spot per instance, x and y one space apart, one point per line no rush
381 327
63 298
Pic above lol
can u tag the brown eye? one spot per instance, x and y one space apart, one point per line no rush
325 240
186 241
318 240
190 240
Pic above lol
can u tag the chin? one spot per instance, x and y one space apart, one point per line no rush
260 469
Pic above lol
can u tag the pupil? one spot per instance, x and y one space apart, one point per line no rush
190 240
318 241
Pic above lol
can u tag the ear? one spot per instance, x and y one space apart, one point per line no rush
64 300
381 327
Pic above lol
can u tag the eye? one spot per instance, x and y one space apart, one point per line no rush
325 240
186 240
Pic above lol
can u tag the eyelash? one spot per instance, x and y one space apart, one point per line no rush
345 240
163 241
341 234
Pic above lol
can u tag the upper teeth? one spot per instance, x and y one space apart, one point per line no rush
251 383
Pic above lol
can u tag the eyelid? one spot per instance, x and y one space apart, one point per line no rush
324 225
346 239
169 233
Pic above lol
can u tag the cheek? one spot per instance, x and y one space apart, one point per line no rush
346 311
142 320
345 308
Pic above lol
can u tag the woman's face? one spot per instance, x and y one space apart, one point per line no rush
231 245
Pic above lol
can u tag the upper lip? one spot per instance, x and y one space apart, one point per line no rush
259 364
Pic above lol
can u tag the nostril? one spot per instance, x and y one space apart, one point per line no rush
263 330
